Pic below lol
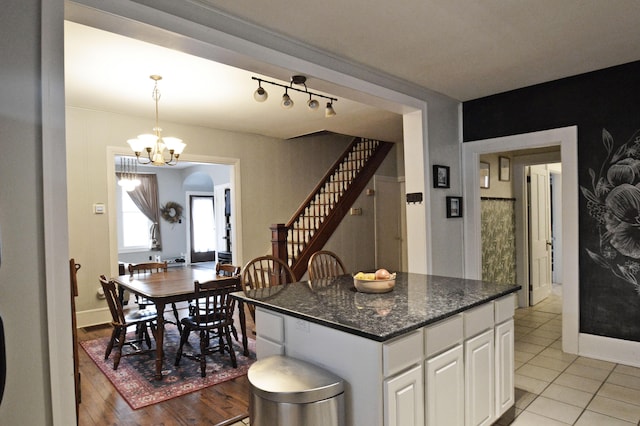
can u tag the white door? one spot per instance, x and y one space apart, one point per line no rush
388 204
444 382
479 378
540 234
403 399
505 380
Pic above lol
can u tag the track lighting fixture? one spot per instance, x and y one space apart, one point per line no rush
261 95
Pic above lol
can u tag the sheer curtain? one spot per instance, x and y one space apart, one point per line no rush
145 197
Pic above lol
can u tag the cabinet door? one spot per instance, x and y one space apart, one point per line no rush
444 382
504 367
404 399
479 379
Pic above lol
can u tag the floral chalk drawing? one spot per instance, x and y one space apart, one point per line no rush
614 202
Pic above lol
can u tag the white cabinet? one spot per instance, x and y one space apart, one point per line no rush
445 388
504 335
403 399
479 379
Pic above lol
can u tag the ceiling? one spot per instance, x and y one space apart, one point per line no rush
463 49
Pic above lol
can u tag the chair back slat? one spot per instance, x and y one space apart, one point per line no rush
147 267
115 307
216 304
227 270
266 271
325 264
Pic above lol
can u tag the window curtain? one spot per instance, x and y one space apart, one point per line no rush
145 197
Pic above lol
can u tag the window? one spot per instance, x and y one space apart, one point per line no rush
133 228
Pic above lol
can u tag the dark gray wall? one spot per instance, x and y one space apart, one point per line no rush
605 106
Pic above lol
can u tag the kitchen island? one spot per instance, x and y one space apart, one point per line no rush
435 350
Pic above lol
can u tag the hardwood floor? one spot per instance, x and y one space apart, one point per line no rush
223 404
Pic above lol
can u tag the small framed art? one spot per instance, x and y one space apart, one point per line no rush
454 207
440 176
505 168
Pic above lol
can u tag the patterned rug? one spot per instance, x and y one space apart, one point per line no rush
134 378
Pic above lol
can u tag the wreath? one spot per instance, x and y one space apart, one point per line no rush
171 212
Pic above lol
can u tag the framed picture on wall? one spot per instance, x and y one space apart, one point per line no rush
440 176
454 207
505 168
484 175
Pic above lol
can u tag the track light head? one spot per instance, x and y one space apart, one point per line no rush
313 104
287 102
260 95
329 111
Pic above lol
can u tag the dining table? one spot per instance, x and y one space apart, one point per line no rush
171 286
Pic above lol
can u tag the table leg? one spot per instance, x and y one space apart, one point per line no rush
160 340
243 327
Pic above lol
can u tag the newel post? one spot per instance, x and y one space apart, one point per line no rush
279 241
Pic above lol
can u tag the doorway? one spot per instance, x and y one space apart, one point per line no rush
566 138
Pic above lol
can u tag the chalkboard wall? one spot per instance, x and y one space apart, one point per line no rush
605 106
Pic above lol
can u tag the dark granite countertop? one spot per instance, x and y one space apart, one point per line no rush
416 300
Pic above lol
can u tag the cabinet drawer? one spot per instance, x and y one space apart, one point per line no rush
504 308
478 319
402 353
443 335
271 325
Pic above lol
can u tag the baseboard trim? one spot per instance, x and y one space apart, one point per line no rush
609 349
93 317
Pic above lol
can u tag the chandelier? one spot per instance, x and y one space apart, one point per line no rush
261 95
128 176
154 144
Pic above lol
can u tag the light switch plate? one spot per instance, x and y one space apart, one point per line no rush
98 208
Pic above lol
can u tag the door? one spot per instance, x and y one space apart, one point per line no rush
403 399
539 234
505 376
444 381
388 223
203 228
479 380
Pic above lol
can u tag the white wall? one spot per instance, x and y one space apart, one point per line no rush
22 270
276 177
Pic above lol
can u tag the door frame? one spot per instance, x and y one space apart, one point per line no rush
567 138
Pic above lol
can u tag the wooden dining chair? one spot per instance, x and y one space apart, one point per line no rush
325 264
150 268
142 319
213 319
265 271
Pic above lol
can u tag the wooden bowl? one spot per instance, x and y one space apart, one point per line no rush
375 286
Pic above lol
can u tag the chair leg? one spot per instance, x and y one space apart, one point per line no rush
147 339
183 339
234 332
203 351
232 353
116 359
114 335
175 313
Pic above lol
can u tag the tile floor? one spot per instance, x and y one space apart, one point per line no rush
555 388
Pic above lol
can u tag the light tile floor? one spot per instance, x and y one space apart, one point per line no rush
556 388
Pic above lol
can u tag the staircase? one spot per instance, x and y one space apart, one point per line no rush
319 215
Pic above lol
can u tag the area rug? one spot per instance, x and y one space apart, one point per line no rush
134 378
